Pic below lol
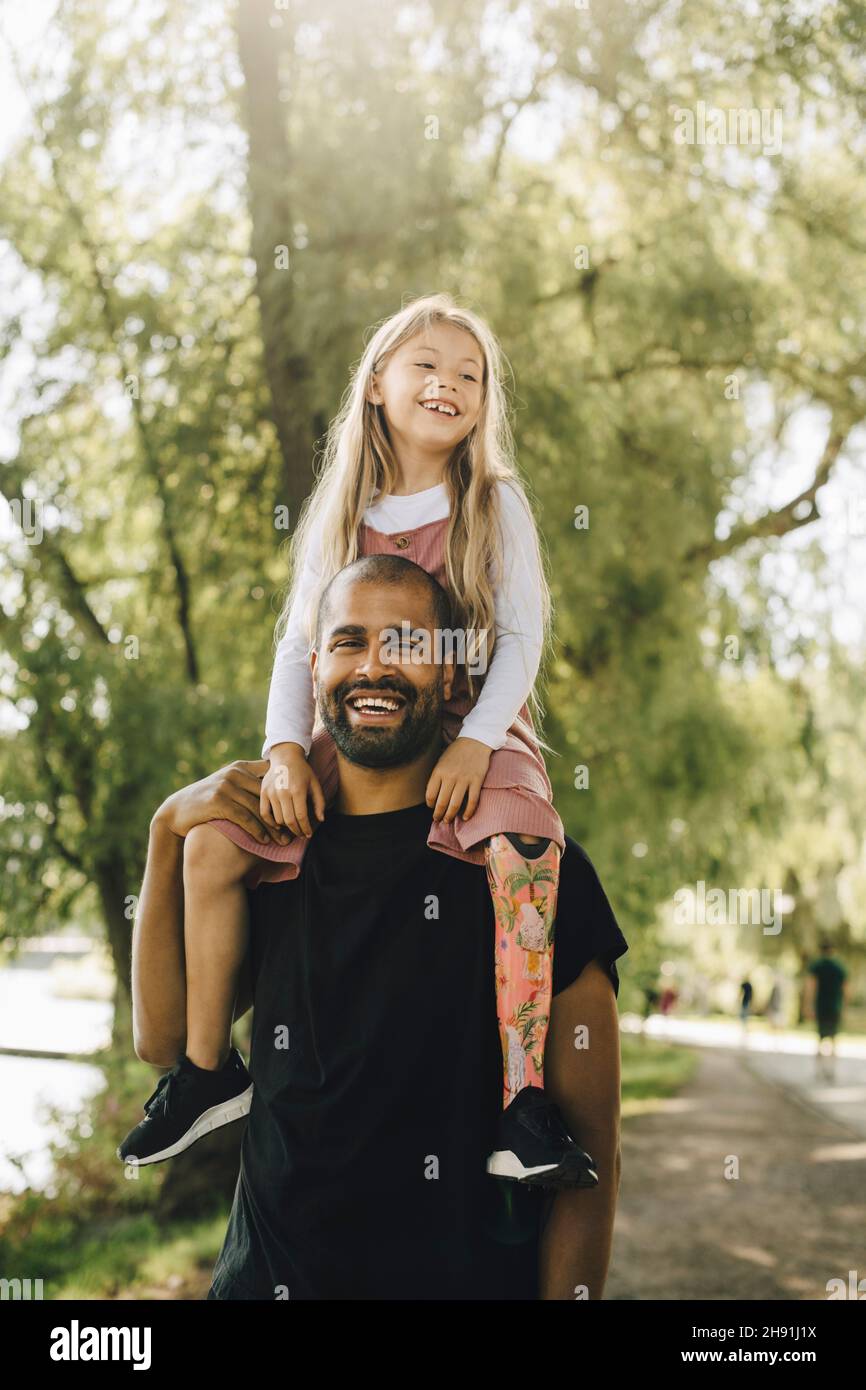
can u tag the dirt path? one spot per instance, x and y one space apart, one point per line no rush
794 1218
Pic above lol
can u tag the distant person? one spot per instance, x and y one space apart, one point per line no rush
774 1005
746 993
825 997
775 1009
650 1001
667 1000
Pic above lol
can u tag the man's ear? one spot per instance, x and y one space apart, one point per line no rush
448 676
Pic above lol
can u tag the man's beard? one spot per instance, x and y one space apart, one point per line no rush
384 745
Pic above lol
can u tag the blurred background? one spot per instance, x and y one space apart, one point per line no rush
660 208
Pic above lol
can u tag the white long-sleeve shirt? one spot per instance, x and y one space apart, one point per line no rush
518 616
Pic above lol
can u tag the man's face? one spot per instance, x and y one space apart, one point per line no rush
351 663
431 390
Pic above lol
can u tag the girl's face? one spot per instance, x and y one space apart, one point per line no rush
431 390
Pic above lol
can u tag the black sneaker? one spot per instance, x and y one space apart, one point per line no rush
187 1104
533 1145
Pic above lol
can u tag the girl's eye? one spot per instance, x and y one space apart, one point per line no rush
468 376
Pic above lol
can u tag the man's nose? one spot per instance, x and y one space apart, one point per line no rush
374 662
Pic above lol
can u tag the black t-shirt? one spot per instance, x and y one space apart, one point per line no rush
378 1073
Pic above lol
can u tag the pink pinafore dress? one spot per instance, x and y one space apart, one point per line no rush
516 795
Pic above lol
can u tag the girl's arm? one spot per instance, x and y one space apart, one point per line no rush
518 609
291 701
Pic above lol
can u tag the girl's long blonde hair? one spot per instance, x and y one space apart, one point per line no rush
358 458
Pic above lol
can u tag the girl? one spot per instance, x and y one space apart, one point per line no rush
418 463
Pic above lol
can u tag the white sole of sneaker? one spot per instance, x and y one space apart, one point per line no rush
505 1164
208 1120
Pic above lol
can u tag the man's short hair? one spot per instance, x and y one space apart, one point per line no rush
392 570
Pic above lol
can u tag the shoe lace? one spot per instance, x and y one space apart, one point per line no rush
166 1092
548 1119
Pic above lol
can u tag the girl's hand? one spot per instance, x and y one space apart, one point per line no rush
459 773
286 785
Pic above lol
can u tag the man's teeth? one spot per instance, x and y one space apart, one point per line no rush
439 405
368 703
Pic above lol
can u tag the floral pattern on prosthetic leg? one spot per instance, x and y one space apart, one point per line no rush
524 891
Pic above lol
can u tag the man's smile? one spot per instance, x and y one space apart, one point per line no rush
375 707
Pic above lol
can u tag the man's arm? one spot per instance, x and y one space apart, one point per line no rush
584 1081
158 968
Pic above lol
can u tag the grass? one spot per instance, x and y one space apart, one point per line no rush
141 1260
651 1071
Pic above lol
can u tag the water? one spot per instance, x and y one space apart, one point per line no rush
32 1017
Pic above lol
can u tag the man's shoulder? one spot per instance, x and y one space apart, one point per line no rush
576 865
586 926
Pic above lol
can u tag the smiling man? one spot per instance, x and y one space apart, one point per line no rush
375 1055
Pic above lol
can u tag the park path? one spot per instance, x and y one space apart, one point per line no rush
793 1219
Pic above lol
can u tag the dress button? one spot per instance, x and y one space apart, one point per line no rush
402 542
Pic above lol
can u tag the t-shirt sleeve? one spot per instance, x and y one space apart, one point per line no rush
586 927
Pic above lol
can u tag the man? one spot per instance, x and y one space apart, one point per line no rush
825 997
375 1050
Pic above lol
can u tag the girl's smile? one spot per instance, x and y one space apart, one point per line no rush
438 405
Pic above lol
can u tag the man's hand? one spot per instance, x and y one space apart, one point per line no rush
459 774
231 793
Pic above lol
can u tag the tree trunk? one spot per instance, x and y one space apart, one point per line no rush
287 367
113 891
